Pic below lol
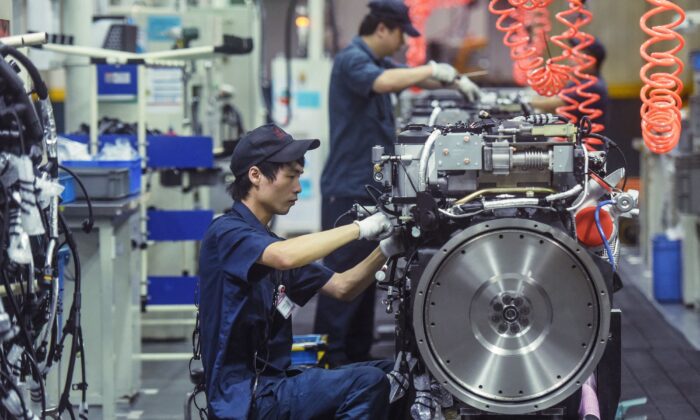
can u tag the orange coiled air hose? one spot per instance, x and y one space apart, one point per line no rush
420 11
661 101
545 77
585 62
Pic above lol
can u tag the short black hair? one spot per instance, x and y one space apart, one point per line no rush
370 22
240 187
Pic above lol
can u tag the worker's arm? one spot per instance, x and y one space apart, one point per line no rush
349 284
396 80
305 249
546 104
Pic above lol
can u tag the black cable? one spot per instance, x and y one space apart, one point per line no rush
378 201
408 176
24 332
23 148
291 10
609 141
347 213
90 221
19 394
64 400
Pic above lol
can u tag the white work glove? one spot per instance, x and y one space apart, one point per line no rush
374 227
391 246
443 72
468 88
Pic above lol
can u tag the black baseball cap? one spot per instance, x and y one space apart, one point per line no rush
268 143
396 11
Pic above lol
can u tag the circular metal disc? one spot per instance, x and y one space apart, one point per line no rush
511 316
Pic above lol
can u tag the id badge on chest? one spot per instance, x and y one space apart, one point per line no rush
283 303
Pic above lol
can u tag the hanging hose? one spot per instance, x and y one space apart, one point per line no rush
569 18
419 11
584 63
546 77
661 101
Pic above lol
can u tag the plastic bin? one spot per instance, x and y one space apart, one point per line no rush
103 183
134 167
667 269
68 194
308 349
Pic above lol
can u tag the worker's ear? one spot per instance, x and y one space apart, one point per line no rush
381 29
255 176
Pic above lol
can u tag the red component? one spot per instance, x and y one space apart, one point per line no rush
661 101
586 229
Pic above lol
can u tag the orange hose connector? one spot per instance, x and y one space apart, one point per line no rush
661 101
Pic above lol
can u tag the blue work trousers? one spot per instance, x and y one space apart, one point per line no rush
356 391
349 325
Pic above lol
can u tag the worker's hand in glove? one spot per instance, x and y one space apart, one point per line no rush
391 246
375 227
443 72
468 88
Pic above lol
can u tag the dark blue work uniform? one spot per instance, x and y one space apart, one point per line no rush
238 319
359 119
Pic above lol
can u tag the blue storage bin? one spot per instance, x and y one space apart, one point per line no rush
667 269
172 290
68 194
308 349
134 166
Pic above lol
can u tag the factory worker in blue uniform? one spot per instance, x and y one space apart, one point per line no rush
251 279
361 116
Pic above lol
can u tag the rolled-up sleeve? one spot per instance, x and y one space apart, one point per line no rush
360 72
306 281
240 246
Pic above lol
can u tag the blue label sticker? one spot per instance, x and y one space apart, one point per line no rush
158 27
308 99
306 191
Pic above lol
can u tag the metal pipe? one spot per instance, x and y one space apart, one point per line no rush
510 202
424 155
25 40
476 194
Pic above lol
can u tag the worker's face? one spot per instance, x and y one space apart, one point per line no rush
280 194
393 39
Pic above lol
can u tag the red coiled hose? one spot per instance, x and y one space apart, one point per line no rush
545 77
661 101
419 11
585 62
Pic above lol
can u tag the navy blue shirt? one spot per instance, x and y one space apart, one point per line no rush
237 314
359 119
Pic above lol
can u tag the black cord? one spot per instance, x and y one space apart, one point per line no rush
74 321
29 349
22 146
291 9
609 141
378 201
409 177
19 394
90 221
347 213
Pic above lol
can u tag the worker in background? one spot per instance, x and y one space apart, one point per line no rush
251 280
550 104
361 116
